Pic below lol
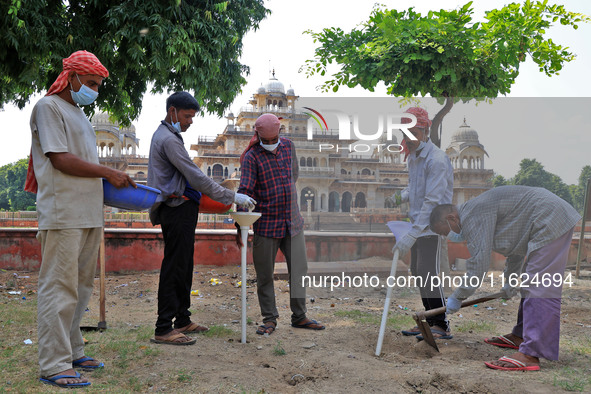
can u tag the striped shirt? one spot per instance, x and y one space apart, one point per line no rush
513 221
270 179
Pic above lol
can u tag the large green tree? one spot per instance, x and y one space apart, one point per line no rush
532 173
578 191
12 182
169 44
444 53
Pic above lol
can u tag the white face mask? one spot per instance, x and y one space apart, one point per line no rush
270 147
177 125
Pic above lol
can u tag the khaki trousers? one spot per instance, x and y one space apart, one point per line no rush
68 265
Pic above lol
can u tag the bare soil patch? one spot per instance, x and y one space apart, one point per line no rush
340 358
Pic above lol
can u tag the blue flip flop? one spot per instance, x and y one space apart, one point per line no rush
53 381
442 334
78 364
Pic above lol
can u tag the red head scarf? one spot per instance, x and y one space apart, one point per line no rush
266 126
422 121
82 63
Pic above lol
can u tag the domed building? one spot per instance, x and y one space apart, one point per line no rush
467 158
340 182
117 147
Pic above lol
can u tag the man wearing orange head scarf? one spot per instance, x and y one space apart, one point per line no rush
430 183
65 173
269 170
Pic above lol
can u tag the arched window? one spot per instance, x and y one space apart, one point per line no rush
360 200
302 161
309 162
334 203
365 171
217 172
209 171
346 202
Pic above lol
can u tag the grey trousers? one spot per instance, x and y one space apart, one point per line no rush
66 277
264 252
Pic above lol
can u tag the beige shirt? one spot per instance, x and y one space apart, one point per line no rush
64 201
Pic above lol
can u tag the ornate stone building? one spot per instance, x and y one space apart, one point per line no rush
117 147
332 181
328 181
467 158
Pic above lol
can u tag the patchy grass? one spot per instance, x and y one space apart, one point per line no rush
571 379
475 326
582 347
395 321
278 350
125 349
218 332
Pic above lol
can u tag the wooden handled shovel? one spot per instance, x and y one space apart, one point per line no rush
420 317
102 324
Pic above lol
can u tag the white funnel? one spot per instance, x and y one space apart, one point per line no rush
244 219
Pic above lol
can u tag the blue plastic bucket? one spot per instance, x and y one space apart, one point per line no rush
129 197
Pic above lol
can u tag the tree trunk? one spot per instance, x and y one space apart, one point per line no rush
437 119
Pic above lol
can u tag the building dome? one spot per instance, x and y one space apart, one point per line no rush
290 92
465 134
274 86
101 119
261 90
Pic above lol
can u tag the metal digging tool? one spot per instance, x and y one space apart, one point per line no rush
102 324
421 317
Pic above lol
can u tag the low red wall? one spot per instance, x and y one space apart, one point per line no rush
142 249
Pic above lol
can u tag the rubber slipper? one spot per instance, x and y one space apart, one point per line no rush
78 364
518 365
170 340
506 342
308 325
413 331
442 334
53 381
264 329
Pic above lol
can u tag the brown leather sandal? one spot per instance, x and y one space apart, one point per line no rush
173 338
192 328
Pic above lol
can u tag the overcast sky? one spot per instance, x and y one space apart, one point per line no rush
279 44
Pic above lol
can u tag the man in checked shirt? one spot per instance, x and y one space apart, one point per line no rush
269 171
516 221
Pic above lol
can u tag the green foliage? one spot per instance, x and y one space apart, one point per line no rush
499 180
12 183
532 173
443 53
172 44
578 191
